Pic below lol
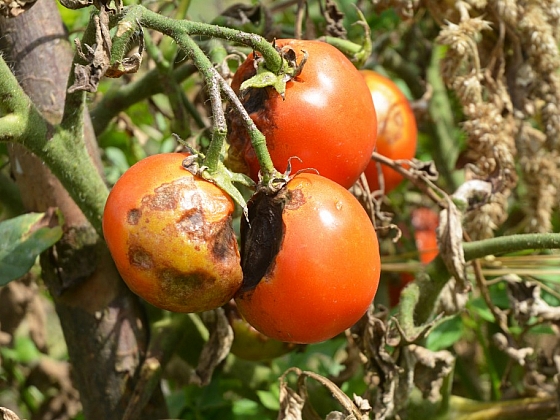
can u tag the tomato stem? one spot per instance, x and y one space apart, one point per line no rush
179 28
180 31
430 286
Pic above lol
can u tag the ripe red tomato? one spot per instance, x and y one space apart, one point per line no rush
326 270
396 128
327 118
170 235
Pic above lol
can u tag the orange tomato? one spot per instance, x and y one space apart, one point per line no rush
396 128
326 119
170 235
326 269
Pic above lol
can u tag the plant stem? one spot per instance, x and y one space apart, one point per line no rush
179 28
431 287
61 150
511 243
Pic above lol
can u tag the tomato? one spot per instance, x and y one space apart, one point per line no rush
396 128
170 235
325 271
249 344
424 222
327 118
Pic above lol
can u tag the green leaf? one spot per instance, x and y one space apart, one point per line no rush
23 239
445 334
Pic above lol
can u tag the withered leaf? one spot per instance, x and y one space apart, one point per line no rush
430 370
216 348
450 241
335 20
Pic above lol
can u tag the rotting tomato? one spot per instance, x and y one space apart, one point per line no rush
327 118
310 261
396 128
170 235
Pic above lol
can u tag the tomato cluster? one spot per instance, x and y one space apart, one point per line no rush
309 263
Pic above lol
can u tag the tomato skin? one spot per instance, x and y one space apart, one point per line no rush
327 118
327 270
397 132
170 236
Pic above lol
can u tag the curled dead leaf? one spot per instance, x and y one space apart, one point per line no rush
216 348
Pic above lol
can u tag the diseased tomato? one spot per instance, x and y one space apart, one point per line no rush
170 235
424 222
396 128
321 271
327 118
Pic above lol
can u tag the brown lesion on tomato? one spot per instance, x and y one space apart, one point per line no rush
181 287
224 245
294 199
192 221
167 196
133 216
140 258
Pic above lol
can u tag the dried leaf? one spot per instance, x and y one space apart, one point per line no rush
526 302
450 243
519 355
13 8
291 403
6 414
381 363
294 402
335 20
216 348
430 370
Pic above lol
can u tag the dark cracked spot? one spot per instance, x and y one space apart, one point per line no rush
261 238
191 220
225 243
140 258
133 216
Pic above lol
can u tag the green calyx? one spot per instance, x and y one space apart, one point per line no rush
266 78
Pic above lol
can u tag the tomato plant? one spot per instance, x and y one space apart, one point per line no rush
324 273
396 128
170 235
326 118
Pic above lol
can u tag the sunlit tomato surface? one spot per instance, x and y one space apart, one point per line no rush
170 236
396 128
326 271
327 118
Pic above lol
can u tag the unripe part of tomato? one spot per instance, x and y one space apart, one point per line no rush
170 235
397 132
326 271
327 118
